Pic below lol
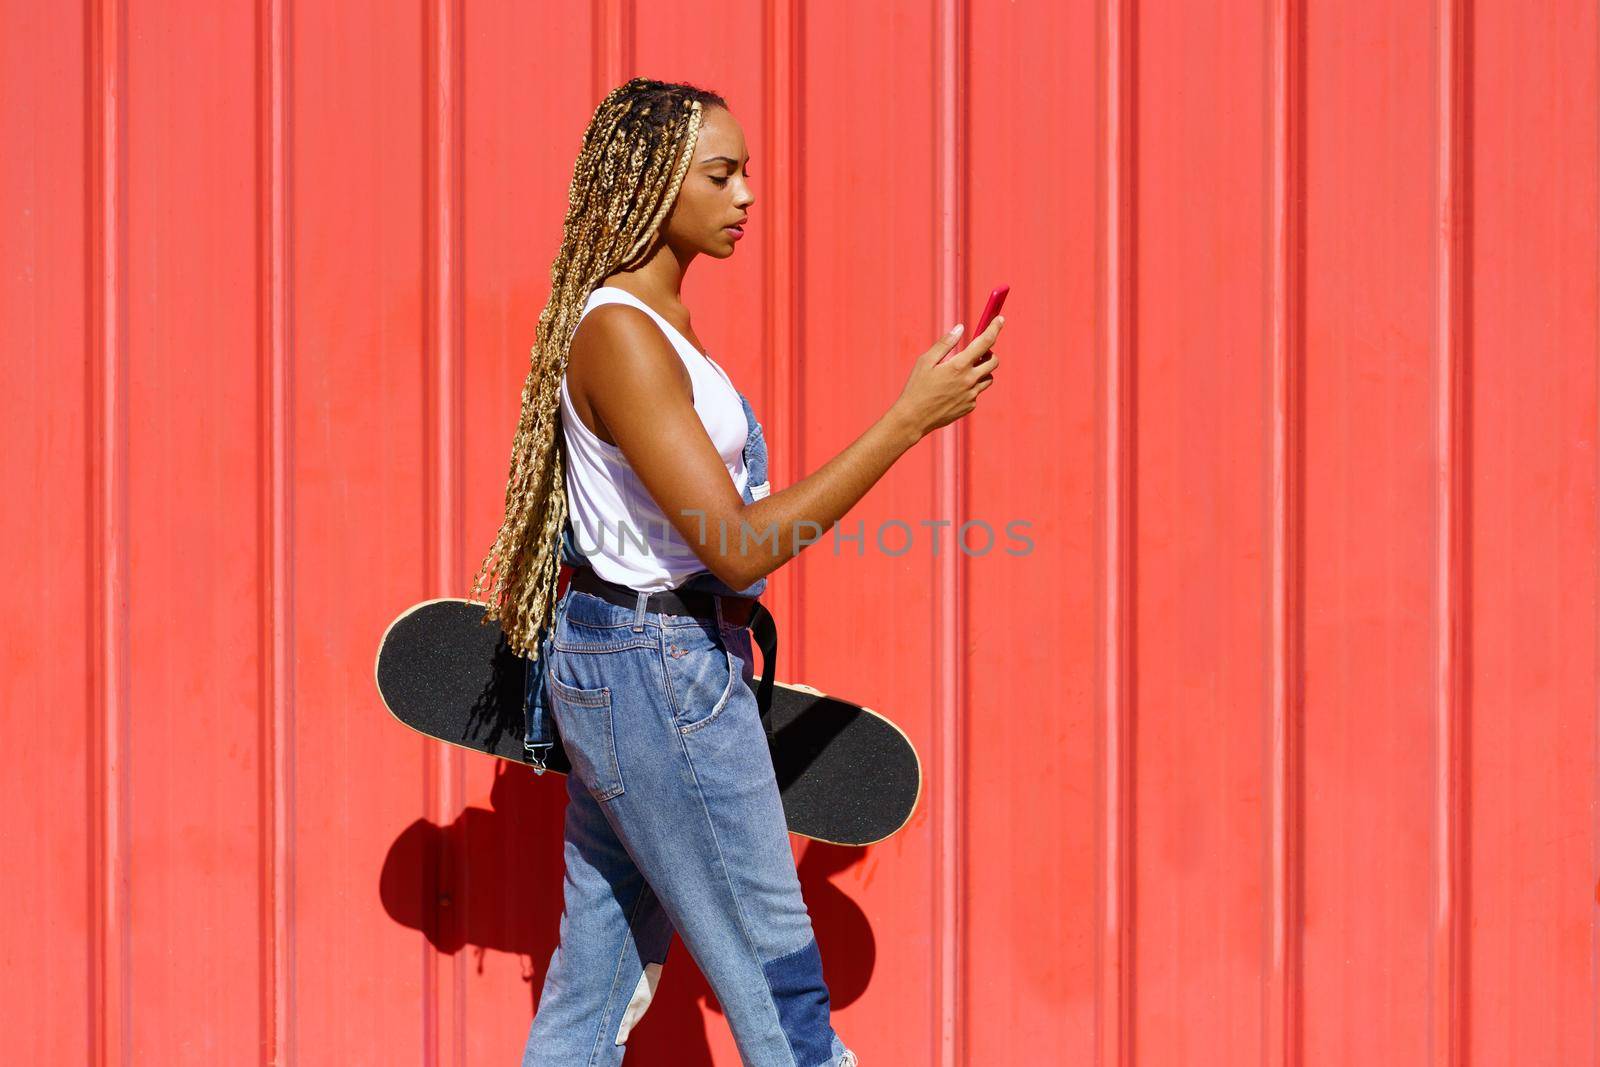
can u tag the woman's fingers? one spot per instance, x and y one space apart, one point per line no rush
943 345
980 344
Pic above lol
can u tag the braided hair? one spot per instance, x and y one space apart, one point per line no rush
636 151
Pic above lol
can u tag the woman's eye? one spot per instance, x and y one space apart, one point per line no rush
724 181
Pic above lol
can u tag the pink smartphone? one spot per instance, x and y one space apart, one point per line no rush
997 299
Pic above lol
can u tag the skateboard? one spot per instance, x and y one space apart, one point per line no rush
847 775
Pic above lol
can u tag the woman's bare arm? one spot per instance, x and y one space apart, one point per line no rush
636 385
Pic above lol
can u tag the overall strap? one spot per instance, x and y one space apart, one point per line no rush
765 631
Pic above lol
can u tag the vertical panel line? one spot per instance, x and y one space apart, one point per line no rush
277 987
444 1010
951 700
1116 203
106 483
1448 946
1282 978
783 295
613 23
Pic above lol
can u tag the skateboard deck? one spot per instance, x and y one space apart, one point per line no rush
847 775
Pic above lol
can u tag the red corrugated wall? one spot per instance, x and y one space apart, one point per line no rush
1279 747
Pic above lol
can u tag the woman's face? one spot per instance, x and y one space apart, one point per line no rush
715 193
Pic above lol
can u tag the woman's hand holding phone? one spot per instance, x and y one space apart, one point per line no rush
939 390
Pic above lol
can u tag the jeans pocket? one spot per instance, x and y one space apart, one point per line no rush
584 719
701 679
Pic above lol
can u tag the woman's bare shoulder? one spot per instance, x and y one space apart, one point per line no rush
618 351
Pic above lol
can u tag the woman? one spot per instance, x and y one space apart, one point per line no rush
674 820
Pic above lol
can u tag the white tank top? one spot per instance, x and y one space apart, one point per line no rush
647 553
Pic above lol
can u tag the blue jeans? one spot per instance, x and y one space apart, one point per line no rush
673 822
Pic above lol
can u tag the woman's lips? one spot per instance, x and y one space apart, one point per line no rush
736 231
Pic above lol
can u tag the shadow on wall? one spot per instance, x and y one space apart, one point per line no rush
512 903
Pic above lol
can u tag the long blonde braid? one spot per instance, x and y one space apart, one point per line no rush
636 151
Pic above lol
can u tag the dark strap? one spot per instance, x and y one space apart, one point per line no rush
539 731
695 602
765 632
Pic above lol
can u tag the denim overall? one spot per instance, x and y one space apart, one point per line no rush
538 735
674 824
